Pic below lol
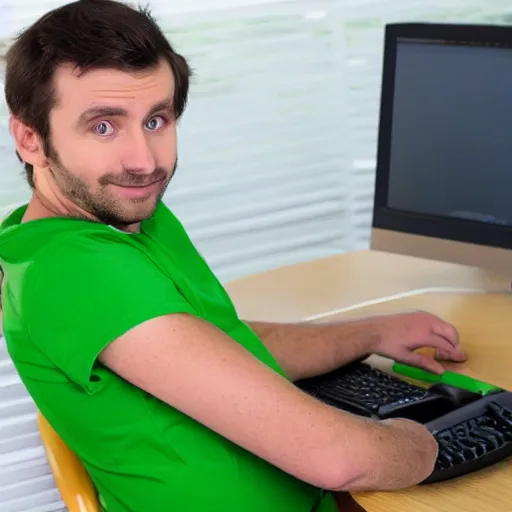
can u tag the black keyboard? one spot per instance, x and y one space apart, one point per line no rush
473 437
363 390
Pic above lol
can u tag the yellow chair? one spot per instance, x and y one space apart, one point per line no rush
73 482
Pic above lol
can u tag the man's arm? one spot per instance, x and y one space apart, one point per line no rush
305 350
195 368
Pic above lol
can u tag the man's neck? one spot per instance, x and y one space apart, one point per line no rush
40 208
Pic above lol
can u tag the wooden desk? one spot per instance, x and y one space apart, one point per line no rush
297 292
485 326
483 320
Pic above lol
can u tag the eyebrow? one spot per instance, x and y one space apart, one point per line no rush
108 111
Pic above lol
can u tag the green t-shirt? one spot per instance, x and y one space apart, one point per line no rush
70 288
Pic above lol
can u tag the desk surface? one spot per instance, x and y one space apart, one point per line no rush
485 326
297 292
483 320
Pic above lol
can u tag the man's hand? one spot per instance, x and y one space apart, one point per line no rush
400 335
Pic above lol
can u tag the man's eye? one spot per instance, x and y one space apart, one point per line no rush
104 129
155 123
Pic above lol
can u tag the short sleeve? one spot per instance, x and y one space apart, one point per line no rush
86 294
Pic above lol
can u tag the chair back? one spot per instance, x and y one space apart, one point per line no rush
73 482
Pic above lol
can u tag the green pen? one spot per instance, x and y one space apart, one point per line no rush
451 378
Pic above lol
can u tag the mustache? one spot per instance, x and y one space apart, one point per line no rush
129 179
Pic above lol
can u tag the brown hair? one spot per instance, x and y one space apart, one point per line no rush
88 34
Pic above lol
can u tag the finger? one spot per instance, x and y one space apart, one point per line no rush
423 361
436 341
442 354
445 355
454 353
446 331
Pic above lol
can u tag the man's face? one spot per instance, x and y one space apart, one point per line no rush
113 141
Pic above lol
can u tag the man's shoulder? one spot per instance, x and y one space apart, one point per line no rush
86 245
164 224
81 253
71 258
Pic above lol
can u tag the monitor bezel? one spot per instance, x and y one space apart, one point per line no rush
384 217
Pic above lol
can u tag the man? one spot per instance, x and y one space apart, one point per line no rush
125 339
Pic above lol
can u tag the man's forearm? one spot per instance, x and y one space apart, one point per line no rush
306 350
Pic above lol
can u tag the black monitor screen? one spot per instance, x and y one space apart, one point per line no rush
451 139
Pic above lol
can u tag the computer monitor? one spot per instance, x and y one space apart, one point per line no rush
444 166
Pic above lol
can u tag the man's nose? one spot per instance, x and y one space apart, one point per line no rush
138 157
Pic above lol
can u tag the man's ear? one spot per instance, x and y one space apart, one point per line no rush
28 143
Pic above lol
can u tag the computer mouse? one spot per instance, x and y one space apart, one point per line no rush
457 396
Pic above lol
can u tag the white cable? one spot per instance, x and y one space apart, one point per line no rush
401 295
